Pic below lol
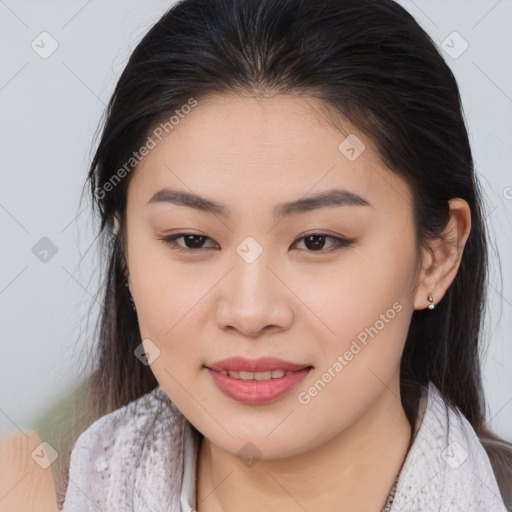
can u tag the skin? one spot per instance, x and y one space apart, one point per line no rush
25 486
343 449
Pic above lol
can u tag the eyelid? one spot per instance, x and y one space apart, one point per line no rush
170 240
339 241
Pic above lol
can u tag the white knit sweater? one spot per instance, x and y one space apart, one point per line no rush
142 458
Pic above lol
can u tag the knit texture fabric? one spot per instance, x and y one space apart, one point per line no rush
142 458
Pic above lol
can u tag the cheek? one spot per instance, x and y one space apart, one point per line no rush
169 306
353 294
359 363
167 293
364 307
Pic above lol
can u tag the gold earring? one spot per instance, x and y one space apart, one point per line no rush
431 300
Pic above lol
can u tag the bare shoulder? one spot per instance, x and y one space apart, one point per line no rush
26 479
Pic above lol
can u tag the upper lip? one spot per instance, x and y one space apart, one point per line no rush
262 364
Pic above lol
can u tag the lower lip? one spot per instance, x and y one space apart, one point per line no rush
257 391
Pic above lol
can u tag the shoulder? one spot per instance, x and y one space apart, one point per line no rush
127 423
150 410
447 468
106 455
466 454
26 478
456 436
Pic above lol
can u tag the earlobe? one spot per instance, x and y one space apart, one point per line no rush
427 292
444 256
116 225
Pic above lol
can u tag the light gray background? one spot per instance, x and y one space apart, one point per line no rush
50 109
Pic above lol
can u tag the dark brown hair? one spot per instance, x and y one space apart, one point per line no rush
371 62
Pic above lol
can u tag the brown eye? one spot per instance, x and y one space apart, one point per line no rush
191 240
315 242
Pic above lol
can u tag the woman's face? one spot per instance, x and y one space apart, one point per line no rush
252 282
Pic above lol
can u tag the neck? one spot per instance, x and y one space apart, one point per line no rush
353 471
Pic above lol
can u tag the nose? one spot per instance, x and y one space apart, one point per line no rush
253 299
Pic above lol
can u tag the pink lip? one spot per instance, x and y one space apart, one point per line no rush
257 391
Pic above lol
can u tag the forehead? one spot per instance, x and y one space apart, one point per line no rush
235 148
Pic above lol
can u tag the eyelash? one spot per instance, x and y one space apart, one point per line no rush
339 243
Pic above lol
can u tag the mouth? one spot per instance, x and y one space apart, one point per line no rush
270 374
257 381
256 369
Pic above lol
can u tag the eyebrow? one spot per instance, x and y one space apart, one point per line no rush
327 199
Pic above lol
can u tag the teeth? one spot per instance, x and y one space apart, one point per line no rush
270 374
256 375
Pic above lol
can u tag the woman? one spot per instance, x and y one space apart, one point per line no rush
296 271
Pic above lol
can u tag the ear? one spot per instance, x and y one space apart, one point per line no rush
442 258
117 224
